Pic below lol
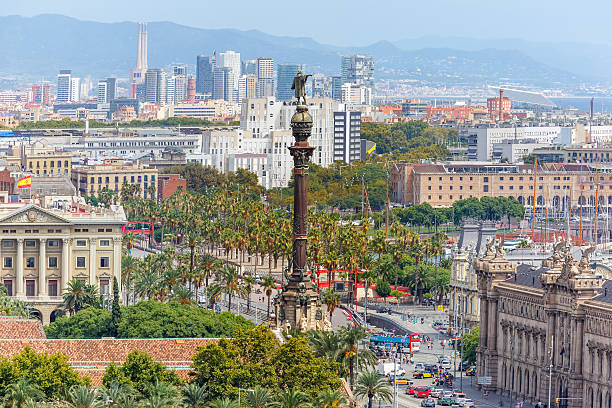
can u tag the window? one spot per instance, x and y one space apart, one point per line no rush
104 262
52 287
53 262
54 243
30 243
30 262
109 230
80 262
8 261
81 243
8 284
104 242
8 244
104 287
486 189
486 179
30 287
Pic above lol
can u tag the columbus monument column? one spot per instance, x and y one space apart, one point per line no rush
298 305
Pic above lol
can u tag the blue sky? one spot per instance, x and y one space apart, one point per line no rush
356 22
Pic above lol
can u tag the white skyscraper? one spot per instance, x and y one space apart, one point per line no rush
137 75
64 81
75 89
265 77
231 59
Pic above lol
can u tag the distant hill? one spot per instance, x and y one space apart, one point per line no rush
41 45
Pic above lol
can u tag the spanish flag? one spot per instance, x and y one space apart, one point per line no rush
25 182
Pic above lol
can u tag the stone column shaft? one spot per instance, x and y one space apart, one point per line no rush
19 268
65 264
117 260
42 267
92 261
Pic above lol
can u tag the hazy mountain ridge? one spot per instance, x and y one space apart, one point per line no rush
44 44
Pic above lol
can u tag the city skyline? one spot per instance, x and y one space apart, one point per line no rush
478 20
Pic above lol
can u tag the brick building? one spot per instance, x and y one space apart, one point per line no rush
167 184
557 185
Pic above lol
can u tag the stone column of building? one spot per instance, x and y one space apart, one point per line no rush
92 261
65 264
19 268
117 260
42 267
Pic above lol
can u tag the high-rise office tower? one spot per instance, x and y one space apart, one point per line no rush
137 75
249 67
231 59
155 86
179 69
285 75
336 87
358 69
224 84
107 90
64 83
247 87
204 74
176 89
321 86
265 77
347 135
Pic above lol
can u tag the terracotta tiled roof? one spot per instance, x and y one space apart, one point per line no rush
90 357
20 328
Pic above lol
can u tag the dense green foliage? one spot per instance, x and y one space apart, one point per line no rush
487 208
468 344
201 179
255 358
52 374
139 371
411 141
148 319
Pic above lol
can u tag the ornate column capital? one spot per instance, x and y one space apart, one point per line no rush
43 240
20 241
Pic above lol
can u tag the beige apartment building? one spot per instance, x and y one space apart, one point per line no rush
39 159
113 174
42 249
557 185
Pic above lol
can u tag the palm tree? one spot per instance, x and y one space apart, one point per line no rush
325 344
194 396
83 396
160 394
129 268
182 295
331 300
19 393
223 403
291 399
371 384
330 399
75 297
129 240
229 281
258 398
248 282
117 394
349 340
269 284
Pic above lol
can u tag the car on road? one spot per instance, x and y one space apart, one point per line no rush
401 381
421 374
471 371
467 403
419 366
446 364
411 390
436 392
447 393
422 392
428 402
445 401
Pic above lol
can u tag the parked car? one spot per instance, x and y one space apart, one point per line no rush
428 402
422 392
445 401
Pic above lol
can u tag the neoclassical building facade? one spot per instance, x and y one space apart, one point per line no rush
42 249
531 318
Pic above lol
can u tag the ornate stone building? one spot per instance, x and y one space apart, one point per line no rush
42 249
531 318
